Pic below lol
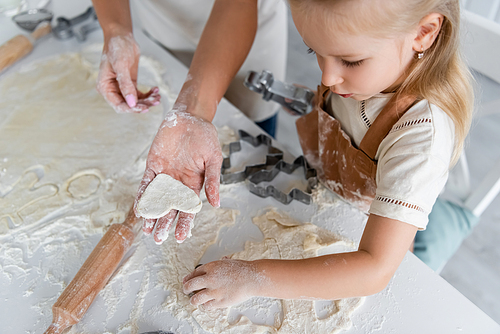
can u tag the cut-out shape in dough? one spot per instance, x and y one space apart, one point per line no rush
83 186
26 201
165 193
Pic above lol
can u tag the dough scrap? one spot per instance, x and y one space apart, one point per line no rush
165 193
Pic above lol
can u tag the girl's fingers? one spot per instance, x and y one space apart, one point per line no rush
196 272
201 297
195 284
213 304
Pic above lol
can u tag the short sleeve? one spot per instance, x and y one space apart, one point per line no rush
413 164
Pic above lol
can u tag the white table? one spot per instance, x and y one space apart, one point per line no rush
416 301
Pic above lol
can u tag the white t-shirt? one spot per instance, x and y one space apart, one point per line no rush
178 26
412 161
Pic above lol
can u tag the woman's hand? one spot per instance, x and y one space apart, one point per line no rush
117 80
187 148
223 283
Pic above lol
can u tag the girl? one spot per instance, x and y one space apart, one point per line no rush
394 82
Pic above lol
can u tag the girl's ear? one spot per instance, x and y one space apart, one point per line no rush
427 31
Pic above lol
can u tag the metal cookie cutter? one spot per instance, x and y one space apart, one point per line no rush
79 26
282 166
273 156
67 28
30 19
296 99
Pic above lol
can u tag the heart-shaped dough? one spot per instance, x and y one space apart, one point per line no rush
165 193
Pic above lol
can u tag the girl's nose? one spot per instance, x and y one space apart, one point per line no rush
331 73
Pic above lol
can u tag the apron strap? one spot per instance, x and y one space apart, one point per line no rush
392 112
320 98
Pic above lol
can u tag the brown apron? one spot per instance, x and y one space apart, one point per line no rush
341 167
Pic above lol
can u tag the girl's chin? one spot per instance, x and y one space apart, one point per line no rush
360 97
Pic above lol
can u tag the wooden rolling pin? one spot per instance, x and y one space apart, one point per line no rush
93 275
21 45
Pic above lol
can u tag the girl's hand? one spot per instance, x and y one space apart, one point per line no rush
187 148
117 80
223 283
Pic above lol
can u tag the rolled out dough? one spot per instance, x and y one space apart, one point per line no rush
165 193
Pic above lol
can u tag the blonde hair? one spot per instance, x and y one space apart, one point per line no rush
441 76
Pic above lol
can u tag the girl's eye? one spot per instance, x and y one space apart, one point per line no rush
311 51
352 64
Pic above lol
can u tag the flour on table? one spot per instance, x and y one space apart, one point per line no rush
70 166
324 198
165 193
284 238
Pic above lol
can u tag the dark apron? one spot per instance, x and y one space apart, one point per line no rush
341 167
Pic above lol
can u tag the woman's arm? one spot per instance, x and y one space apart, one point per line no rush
364 272
114 17
223 47
186 146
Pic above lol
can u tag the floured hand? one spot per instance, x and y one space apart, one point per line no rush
187 148
223 283
117 80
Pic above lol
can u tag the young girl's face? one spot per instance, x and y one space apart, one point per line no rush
355 66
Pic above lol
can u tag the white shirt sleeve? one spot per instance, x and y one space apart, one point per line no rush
413 164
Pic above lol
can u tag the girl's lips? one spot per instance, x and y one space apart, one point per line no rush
345 95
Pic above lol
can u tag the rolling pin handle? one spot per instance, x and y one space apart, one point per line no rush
19 46
93 275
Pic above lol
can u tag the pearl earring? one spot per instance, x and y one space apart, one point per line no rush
420 55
